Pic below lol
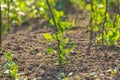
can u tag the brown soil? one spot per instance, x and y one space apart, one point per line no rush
29 47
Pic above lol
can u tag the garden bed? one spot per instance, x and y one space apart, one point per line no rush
88 62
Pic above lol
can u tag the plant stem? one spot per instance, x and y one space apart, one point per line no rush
0 27
115 13
8 14
91 27
52 15
114 22
56 29
91 20
106 2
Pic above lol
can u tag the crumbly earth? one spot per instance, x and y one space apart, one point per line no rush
30 53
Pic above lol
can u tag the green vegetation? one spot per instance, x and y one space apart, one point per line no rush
18 11
104 24
10 66
60 26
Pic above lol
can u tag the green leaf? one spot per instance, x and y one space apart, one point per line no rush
88 7
117 35
71 44
7 64
60 75
73 23
51 50
8 56
22 5
58 36
66 40
51 22
48 37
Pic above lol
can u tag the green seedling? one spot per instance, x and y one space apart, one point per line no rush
103 24
10 66
61 27
111 37
60 76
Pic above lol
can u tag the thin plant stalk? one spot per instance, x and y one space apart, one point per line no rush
114 22
103 27
115 13
0 27
56 29
91 27
91 20
8 18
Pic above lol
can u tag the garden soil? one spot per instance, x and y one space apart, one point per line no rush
88 61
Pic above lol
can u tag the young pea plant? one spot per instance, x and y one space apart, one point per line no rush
10 66
97 17
111 34
107 29
61 27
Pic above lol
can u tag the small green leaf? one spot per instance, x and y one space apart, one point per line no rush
48 37
71 44
7 64
113 72
73 23
60 75
51 22
58 36
94 75
51 50
8 56
66 40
